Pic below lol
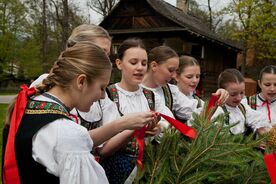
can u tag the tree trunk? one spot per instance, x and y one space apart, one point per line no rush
45 44
65 23
210 16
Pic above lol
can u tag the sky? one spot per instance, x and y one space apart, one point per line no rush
96 18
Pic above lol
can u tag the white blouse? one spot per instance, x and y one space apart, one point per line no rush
63 147
130 102
192 97
252 118
98 109
182 106
262 107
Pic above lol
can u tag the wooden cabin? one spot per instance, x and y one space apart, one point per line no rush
160 23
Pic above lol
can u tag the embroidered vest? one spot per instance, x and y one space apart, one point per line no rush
132 145
37 114
252 101
168 96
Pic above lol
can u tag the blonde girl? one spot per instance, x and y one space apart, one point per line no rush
49 146
99 36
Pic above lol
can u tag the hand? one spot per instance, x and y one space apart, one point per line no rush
223 95
263 130
138 120
153 131
154 122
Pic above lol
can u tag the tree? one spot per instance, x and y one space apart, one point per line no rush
12 27
256 20
209 16
103 7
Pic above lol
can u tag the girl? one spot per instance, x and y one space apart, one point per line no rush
51 148
130 97
265 101
163 63
247 118
99 36
187 78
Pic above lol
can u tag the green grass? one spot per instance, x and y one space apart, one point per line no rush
3 109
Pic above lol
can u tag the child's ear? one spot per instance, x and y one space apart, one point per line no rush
153 66
259 84
118 64
81 80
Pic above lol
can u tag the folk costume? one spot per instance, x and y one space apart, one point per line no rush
119 166
258 103
242 114
179 104
51 148
193 96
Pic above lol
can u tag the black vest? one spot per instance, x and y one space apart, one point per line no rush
34 118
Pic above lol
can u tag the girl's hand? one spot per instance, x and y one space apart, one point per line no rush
138 120
223 95
153 131
263 130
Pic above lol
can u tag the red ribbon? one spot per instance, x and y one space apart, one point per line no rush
10 170
270 162
268 109
184 129
212 102
140 134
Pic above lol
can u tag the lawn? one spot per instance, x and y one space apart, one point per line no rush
3 108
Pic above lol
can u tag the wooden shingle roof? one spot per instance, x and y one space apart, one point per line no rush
185 22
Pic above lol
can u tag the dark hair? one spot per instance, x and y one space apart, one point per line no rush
267 69
228 76
129 43
185 61
161 54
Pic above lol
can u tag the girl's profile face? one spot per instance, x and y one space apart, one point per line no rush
93 91
188 79
236 93
268 86
133 65
166 71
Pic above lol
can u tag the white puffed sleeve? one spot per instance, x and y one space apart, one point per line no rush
39 80
255 119
183 107
63 147
160 107
104 110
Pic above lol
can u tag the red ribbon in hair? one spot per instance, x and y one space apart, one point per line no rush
10 170
140 134
270 162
